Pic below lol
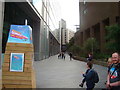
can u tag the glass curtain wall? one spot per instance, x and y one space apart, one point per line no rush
49 22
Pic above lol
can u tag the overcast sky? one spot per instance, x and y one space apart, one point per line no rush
70 12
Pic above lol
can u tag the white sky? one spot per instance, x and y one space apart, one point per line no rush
70 12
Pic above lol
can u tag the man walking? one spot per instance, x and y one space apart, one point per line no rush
70 54
113 78
90 77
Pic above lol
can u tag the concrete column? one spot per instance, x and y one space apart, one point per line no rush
112 20
84 36
78 38
81 34
102 37
81 38
41 39
36 40
91 32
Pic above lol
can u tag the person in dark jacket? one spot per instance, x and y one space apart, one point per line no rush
70 54
88 77
89 58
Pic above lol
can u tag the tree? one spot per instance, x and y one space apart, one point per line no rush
71 43
75 49
90 45
113 35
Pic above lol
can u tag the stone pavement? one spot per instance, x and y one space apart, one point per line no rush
60 73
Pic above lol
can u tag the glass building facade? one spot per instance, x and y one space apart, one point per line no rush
42 16
49 11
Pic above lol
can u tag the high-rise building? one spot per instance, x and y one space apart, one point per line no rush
63 34
63 31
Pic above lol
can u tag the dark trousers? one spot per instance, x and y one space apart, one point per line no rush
89 88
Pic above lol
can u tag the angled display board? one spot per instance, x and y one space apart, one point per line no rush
17 69
20 34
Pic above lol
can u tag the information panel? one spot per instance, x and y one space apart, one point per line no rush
20 34
17 62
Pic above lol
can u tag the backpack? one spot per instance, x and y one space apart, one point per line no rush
96 77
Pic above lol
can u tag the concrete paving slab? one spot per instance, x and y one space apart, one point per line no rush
60 73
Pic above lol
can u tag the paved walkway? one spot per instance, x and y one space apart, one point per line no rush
59 73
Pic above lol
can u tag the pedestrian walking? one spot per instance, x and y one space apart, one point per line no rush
70 54
90 77
64 56
59 55
89 58
113 77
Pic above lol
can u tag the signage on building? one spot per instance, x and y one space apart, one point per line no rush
20 34
17 62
